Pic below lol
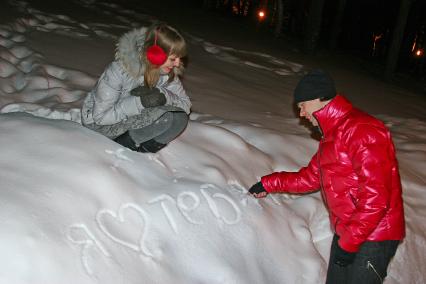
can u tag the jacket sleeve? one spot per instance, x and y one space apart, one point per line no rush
304 181
110 106
176 95
368 148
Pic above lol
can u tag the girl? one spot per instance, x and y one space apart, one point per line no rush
139 100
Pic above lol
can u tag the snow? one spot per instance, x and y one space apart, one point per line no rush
79 208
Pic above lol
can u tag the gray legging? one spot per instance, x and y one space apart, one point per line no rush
166 128
163 130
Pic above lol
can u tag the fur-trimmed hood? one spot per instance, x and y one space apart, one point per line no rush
128 50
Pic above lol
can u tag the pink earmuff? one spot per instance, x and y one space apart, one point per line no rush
155 54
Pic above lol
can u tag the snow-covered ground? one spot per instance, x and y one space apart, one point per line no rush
78 208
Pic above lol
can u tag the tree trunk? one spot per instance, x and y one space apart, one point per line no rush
229 6
398 34
207 4
313 27
337 25
279 18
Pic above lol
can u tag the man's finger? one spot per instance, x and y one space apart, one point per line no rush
260 195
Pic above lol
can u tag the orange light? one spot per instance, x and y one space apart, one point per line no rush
261 14
419 52
377 37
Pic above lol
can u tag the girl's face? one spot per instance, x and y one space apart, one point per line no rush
171 62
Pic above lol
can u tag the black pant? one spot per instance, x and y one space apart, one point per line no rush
369 266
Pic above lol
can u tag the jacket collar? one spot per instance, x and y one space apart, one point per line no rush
333 113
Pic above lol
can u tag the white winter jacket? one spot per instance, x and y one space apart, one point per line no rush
110 101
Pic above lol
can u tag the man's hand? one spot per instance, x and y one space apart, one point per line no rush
258 191
343 258
149 97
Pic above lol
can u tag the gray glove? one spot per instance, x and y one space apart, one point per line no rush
149 97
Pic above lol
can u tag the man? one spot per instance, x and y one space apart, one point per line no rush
357 172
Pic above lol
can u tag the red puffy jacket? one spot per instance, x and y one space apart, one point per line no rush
356 168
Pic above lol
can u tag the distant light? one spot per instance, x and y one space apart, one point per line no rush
261 14
419 52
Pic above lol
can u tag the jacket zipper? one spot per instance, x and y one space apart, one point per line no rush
369 265
324 197
319 164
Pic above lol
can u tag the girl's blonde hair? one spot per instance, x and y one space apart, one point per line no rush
171 41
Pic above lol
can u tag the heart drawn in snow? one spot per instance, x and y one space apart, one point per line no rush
119 220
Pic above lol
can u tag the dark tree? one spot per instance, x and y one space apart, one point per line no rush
398 33
313 26
279 17
337 23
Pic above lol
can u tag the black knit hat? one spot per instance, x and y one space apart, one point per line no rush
317 84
